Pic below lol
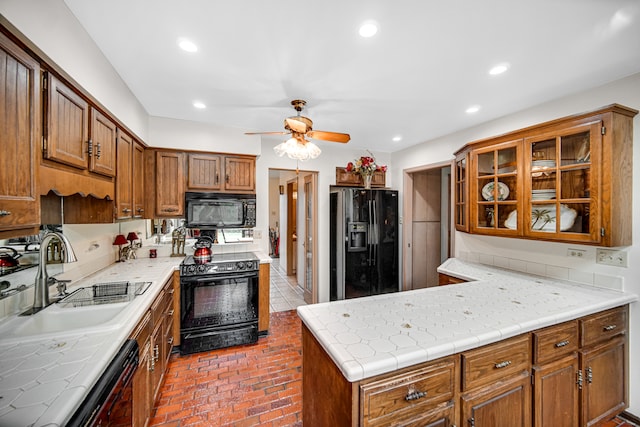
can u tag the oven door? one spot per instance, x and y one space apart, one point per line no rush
218 311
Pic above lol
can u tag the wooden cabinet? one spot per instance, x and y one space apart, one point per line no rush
130 178
604 365
204 172
496 384
576 371
77 134
138 180
445 279
20 107
154 334
565 180
350 179
555 371
264 290
219 172
169 183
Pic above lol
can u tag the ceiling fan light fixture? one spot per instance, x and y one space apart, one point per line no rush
297 149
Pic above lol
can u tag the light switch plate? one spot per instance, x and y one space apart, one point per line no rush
614 257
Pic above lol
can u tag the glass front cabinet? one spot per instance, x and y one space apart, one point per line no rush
566 180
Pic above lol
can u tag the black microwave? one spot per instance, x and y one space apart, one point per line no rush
220 210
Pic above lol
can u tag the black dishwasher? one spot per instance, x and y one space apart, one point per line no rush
110 401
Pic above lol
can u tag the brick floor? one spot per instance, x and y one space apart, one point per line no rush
250 385
245 386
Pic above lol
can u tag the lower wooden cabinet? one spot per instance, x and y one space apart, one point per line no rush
567 375
154 334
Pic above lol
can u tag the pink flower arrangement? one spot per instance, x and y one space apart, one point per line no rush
365 165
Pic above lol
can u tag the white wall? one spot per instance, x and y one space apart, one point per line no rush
626 92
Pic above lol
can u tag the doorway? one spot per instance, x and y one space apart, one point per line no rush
427 219
293 194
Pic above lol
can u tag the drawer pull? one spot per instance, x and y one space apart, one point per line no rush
414 395
609 328
502 364
562 344
4 213
589 375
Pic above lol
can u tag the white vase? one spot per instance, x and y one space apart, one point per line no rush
367 181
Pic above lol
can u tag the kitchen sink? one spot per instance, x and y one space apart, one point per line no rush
57 320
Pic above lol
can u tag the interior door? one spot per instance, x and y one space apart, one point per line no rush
310 232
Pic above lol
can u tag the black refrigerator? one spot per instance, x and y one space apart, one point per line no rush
364 242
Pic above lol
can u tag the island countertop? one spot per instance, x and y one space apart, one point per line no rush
374 335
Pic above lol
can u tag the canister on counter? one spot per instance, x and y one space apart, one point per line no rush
153 253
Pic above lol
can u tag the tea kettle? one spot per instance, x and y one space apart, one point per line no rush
8 259
202 254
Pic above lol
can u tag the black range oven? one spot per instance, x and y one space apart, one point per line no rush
218 302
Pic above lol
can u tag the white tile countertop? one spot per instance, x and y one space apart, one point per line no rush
379 334
44 378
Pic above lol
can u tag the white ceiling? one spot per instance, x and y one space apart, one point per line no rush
416 77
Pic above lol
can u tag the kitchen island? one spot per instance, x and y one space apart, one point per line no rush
352 343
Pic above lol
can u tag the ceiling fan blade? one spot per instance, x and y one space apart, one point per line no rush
266 133
296 125
329 136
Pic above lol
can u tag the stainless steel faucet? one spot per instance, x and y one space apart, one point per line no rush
41 291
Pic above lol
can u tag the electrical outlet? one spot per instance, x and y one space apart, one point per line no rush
257 234
611 257
577 253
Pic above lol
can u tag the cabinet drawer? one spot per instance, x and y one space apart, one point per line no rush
554 342
409 393
158 308
602 326
497 361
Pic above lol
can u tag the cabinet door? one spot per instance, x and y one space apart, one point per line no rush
555 393
461 188
20 118
508 405
141 388
495 192
157 360
604 390
204 172
240 174
103 142
170 183
67 125
138 180
124 176
561 171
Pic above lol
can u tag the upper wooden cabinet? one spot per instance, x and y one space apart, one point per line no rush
170 183
130 178
218 172
19 139
565 180
77 134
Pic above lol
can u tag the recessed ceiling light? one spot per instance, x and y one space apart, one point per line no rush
199 105
473 109
397 138
187 45
368 29
499 69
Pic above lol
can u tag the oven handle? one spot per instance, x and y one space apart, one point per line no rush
211 278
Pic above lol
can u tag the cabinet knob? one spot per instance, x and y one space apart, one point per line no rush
139 210
4 213
126 210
